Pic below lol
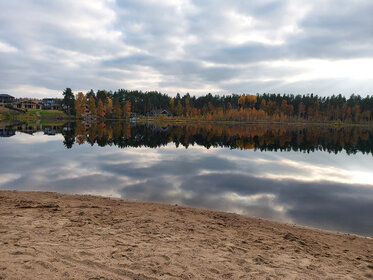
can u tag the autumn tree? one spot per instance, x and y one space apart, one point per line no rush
80 104
100 109
80 133
92 106
247 100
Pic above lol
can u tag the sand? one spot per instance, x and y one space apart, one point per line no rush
54 236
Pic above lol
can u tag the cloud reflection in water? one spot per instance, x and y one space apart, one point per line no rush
318 189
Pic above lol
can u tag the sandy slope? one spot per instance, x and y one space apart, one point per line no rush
54 236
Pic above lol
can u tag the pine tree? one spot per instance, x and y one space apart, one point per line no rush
68 101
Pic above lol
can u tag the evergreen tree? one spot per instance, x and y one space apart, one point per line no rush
68 102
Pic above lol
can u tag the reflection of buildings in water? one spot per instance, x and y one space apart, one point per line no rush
50 130
7 132
29 129
159 128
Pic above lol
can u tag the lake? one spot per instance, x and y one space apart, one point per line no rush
314 176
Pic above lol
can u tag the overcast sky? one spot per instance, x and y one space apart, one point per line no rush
322 47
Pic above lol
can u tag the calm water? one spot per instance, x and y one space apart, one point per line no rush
317 177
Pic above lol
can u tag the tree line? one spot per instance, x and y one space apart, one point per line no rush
245 107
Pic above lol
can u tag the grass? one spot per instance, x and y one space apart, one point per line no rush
31 115
46 113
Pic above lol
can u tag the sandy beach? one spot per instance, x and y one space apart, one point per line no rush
55 236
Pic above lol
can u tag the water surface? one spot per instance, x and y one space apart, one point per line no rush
319 177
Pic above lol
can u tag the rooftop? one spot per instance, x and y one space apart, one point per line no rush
6 95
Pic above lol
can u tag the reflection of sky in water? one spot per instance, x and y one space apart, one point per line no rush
318 189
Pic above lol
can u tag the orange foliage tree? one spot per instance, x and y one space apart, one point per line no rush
100 109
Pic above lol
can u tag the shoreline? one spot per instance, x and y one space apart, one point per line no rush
49 235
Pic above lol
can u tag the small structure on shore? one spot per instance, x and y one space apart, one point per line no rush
159 112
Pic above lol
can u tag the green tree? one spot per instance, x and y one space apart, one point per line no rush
68 102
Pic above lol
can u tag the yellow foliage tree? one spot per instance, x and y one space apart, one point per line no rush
92 106
100 109
80 104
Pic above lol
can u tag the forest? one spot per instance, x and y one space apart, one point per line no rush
246 107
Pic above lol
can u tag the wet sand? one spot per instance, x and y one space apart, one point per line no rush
54 236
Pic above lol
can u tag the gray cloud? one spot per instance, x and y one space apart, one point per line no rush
185 45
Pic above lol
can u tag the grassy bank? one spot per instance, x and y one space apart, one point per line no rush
53 115
31 115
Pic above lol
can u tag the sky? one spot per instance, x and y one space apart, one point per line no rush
323 47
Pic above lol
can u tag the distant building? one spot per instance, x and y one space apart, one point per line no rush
159 112
6 98
28 104
51 104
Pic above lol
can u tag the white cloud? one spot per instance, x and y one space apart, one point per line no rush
6 48
185 46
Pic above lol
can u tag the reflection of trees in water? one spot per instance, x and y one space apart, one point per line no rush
309 139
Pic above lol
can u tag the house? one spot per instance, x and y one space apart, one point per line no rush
159 112
28 104
51 104
6 98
